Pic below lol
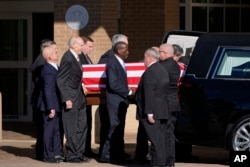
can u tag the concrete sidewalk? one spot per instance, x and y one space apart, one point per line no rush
17 148
22 154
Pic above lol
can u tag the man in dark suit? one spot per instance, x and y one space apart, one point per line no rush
49 103
74 118
103 111
152 105
142 146
117 93
166 57
36 87
88 47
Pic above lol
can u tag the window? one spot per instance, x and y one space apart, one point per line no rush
187 42
215 19
215 15
13 40
235 63
232 20
199 17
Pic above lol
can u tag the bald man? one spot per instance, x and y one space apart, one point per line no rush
173 69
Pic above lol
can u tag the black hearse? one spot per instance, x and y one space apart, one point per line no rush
215 90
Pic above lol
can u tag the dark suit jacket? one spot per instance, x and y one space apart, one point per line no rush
106 56
69 81
151 95
36 85
116 83
174 73
83 59
50 96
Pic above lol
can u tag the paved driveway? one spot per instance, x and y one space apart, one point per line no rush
22 154
17 149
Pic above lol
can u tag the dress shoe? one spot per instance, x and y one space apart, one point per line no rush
40 158
104 160
60 158
126 155
120 160
143 160
75 160
51 160
84 159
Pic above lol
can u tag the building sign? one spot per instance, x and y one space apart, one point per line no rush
77 17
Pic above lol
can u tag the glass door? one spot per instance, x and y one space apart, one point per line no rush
15 59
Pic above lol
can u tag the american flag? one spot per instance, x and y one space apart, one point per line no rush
94 76
182 71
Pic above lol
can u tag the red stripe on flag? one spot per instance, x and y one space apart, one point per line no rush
135 68
133 80
96 83
92 69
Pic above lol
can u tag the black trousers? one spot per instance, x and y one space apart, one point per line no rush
39 133
170 139
52 136
88 149
104 128
75 130
142 146
114 144
156 134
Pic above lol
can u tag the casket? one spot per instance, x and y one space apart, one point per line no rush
94 80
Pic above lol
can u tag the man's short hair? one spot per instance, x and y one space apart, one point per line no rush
178 51
118 38
119 45
46 43
86 39
153 53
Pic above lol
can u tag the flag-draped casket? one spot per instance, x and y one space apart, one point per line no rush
94 80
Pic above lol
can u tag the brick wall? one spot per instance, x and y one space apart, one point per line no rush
101 26
144 22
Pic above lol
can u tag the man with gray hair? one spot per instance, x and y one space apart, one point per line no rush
152 105
178 51
36 88
116 38
74 118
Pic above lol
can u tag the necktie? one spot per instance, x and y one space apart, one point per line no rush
78 59
89 60
79 62
123 66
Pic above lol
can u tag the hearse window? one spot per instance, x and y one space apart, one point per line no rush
187 42
235 64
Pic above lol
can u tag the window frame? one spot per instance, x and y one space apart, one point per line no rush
189 5
220 57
